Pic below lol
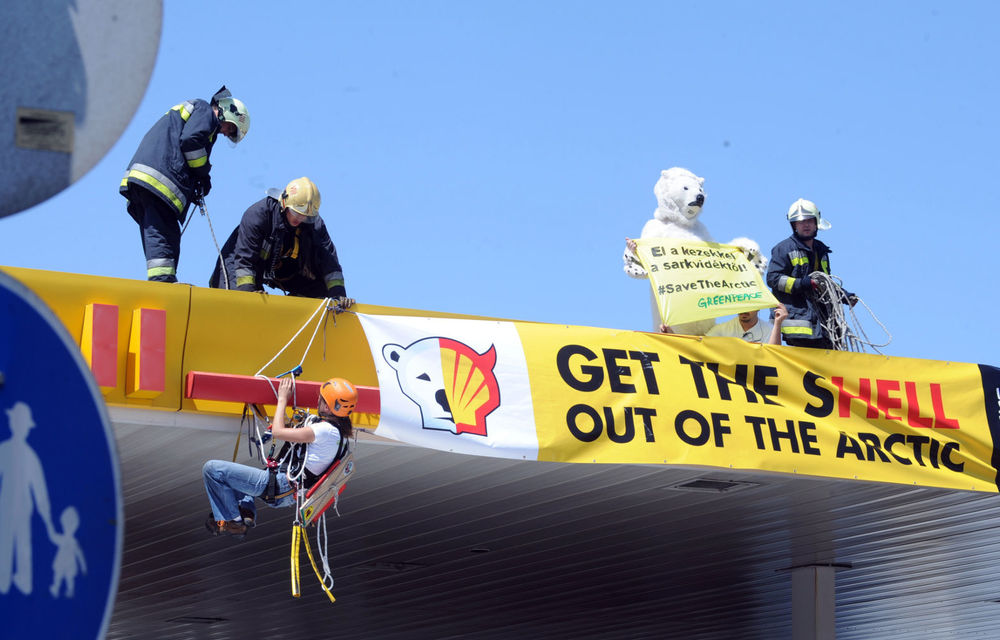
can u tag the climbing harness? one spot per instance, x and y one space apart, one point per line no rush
845 334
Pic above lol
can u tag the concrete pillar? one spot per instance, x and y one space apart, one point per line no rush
813 603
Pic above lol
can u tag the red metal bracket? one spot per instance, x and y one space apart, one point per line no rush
202 385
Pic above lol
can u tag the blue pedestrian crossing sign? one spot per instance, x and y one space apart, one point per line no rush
60 492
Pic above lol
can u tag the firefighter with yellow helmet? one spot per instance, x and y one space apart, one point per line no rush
170 170
282 242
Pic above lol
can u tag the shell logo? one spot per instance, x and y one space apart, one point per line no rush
453 385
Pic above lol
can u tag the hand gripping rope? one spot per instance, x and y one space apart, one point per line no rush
256 412
830 299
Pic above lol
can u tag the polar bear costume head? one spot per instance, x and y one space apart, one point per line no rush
680 196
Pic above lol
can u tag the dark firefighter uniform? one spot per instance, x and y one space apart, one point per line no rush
788 276
266 249
169 170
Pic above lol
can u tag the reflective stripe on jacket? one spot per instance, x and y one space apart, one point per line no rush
265 248
788 276
174 154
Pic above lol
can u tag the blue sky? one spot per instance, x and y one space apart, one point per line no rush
490 158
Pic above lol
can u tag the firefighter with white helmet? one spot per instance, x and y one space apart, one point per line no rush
788 274
803 209
234 112
283 243
170 170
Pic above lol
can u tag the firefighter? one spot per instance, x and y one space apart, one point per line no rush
788 274
170 170
282 242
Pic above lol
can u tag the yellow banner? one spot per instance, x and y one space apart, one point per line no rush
699 280
629 397
553 392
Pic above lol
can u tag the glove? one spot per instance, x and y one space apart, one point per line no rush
203 186
343 302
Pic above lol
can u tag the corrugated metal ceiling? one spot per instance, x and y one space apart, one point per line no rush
440 545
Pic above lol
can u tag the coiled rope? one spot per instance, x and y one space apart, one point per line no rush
846 333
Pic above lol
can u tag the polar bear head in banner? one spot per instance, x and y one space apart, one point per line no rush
453 385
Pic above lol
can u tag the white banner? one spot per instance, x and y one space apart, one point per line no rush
453 385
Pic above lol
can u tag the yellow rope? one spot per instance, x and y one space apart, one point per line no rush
305 537
296 534
300 535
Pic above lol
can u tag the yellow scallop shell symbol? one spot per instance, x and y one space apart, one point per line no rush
469 383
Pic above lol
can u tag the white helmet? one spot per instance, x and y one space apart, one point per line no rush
803 209
232 110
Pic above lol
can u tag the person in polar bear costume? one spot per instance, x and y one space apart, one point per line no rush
680 196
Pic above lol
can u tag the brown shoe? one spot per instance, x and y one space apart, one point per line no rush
227 527
247 515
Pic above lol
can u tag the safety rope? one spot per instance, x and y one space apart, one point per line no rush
322 304
204 211
256 424
296 476
323 551
222 263
846 334
299 535
190 214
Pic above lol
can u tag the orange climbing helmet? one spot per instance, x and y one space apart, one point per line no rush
340 396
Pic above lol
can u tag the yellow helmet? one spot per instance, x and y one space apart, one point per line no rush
302 196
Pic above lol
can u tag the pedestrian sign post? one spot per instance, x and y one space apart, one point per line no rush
60 493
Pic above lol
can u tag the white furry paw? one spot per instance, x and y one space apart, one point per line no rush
633 268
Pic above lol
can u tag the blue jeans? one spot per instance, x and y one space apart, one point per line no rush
230 485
